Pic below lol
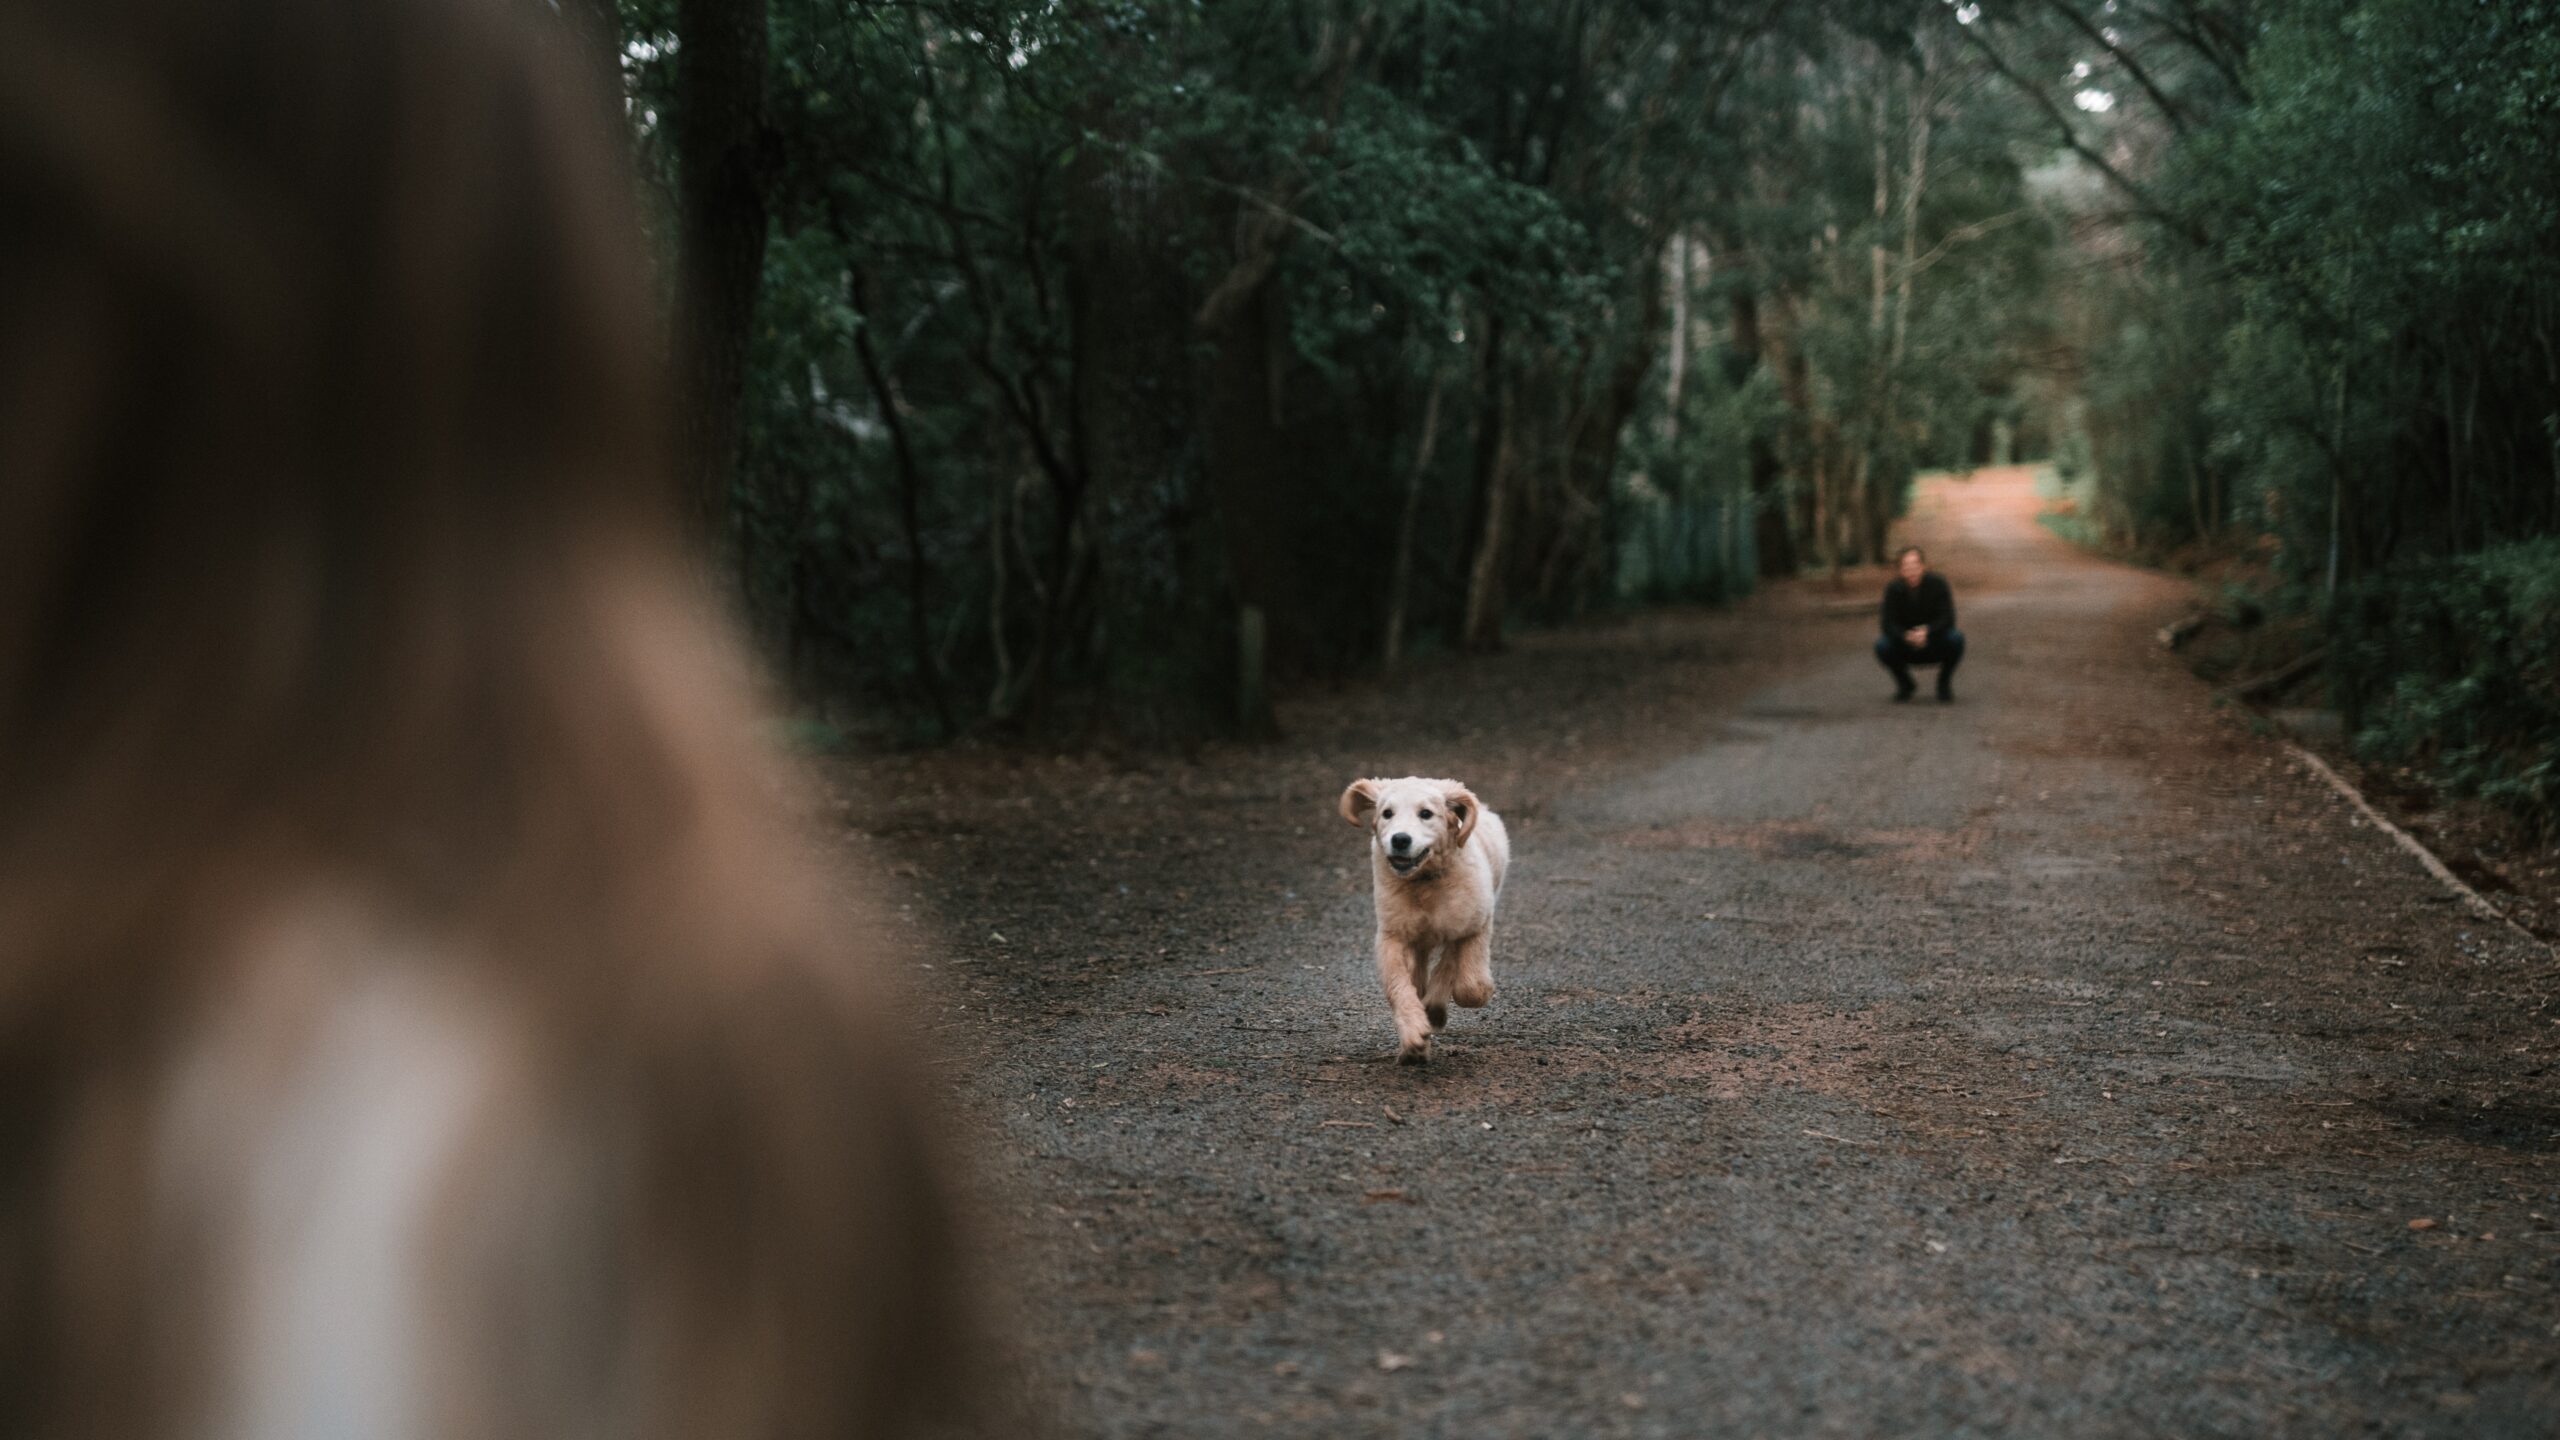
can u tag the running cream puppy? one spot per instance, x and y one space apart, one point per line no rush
1437 856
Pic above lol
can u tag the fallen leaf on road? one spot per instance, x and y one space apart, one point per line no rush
2422 1224
1390 1361
1381 1197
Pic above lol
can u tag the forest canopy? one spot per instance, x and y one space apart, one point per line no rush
1108 365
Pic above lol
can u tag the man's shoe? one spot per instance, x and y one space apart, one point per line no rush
1903 695
1946 693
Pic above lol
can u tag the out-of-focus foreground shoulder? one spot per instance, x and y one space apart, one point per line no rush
349 1100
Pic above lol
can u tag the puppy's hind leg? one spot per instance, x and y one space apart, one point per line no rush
1442 971
1473 962
1397 963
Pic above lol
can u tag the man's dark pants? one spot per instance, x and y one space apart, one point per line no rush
1945 650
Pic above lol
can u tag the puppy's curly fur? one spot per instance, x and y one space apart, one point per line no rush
1437 857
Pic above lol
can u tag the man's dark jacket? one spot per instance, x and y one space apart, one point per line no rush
1929 603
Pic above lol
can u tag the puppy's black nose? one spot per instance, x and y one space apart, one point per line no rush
1400 842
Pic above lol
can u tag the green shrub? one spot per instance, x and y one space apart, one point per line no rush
2454 665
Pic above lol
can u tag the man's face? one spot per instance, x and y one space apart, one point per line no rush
1913 567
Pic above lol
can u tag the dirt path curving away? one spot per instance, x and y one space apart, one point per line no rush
2059 1062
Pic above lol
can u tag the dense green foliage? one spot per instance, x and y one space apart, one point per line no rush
1110 354
1113 358
2389 208
2455 664
2336 328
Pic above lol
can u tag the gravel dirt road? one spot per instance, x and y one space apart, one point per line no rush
2058 1062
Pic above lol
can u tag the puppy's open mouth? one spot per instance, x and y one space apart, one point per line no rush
1405 864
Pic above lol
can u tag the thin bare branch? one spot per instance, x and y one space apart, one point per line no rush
2070 136
2170 110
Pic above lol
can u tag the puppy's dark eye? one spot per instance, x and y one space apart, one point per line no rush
1388 815
1421 814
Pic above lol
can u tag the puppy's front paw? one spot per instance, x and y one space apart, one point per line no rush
1473 994
1437 1013
1416 1051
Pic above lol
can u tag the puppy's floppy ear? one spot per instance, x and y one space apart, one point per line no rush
1463 807
1360 801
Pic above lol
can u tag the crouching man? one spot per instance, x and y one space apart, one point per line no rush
1919 623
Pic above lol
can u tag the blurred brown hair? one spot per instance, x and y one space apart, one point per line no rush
364 740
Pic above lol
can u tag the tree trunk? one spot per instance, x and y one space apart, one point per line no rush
1252 481
2337 486
910 501
1481 630
1916 181
1773 541
1883 200
1401 589
1804 457
721 182
1826 513
1919 124
1863 506
1672 383
1164 653
999 525
1480 626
